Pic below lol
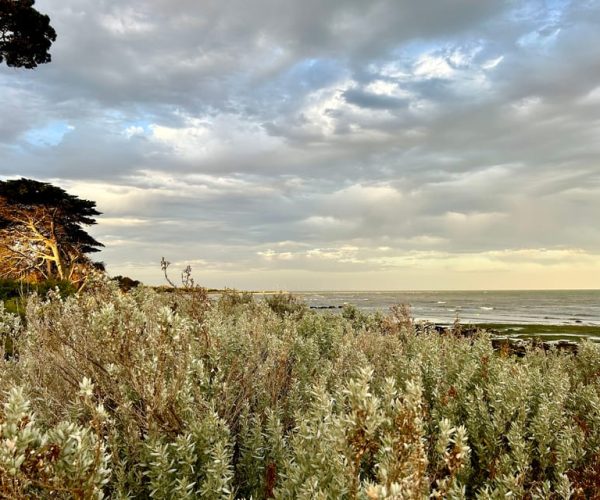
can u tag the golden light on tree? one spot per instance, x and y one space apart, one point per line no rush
41 232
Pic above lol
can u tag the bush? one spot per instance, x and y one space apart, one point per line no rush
65 461
14 289
126 283
192 399
11 289
230 300
13 299
65 288
284 304
15 305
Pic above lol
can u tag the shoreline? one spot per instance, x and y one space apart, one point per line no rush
542 331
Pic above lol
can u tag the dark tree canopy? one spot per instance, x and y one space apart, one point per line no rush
41 232
25 34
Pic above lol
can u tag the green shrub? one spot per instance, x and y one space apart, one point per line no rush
238 398
230 300
65 288
284 304
126 283
13 289
15 305
65 461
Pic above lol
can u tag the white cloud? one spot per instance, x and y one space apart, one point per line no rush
132 131
126 22
492 63
428 66
528 105
209 138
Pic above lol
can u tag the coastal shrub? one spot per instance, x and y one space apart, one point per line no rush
16 305
14 293
10 289
230 299
65 461
284 304
126 283
171 395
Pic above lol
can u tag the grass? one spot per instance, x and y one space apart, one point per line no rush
544 332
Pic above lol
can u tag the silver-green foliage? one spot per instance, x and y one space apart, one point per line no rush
183 399
65 461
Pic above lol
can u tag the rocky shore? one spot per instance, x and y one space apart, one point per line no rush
501 342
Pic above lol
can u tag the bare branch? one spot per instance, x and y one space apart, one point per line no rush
164 265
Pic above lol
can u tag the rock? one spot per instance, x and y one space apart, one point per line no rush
519 347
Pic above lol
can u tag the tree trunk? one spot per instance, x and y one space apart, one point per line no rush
57 258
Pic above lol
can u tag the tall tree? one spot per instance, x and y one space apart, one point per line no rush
41 232
25 34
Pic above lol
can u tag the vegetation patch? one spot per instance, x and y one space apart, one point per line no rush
545 332
172 395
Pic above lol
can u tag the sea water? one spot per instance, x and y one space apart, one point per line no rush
551 307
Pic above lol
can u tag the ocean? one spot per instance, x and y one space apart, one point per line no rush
547 307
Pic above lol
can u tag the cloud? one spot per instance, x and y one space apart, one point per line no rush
218 131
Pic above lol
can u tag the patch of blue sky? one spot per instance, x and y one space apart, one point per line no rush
137 127
119 119
415 48
411 52
540 12
313 73
457 53
539 38
403 57
290 87
546 23
51 134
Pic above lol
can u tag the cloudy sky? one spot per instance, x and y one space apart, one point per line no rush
339 144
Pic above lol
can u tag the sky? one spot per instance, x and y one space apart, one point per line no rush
340 144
